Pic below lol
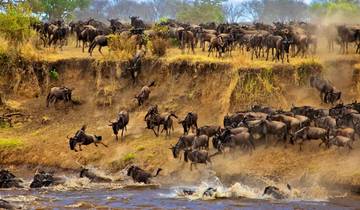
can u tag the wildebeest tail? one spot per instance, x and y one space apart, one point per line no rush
216 153
157 172
152 83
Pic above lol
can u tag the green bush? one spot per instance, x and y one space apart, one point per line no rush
53 74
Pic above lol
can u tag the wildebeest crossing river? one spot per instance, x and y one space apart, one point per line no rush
80 193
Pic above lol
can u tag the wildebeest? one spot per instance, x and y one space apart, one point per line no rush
139 175
120 123
325 122
136 22
184 142
189 121
92 176
341 141
325 88
168 123
209 130
144 93
311 133
44 179
201 142
216 43
100 40
59 94
81 138
196 156
275 192
9 180
268 127
135 65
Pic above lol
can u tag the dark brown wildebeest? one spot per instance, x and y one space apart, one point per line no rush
348 34
209 130
187 38
268 127
136 22
310 133
196 156
141 176
292 123
234 119
116 26
92 176
88 35
144 93
325 122
100 40
135 65
325 88
59 34
218 44
189 121
183 143
81 138
206 36
120 123
45 179
168 123
282 48
59 94
227 139
201 142
9 180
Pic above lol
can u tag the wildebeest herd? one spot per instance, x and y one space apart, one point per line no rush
259 39
339 125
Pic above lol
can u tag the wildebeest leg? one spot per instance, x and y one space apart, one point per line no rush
155 132
116 137
103 144
80 147
100 49
122 133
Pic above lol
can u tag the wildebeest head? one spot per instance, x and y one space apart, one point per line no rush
72 143
332 97
132 170
98 138
174 151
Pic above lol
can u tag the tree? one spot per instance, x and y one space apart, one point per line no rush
233 12
15 23
57 9
335 10
201 11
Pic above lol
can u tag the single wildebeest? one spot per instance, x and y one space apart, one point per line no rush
292 123
92 176
144 93
81 138
347 132
9 180
100 40
325 88
136 22
184 142
233 120
263 109
275 192
189 121
243 140
269 127
216 43
201 142
120 123
59 94
310 133
341 141
168 123
196 156
209 130
135 65
325 122
139 175
44 179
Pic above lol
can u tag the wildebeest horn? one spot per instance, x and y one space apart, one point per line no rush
67 137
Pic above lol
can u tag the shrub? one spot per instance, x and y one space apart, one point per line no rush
120 43
159 46
129 157
53 74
